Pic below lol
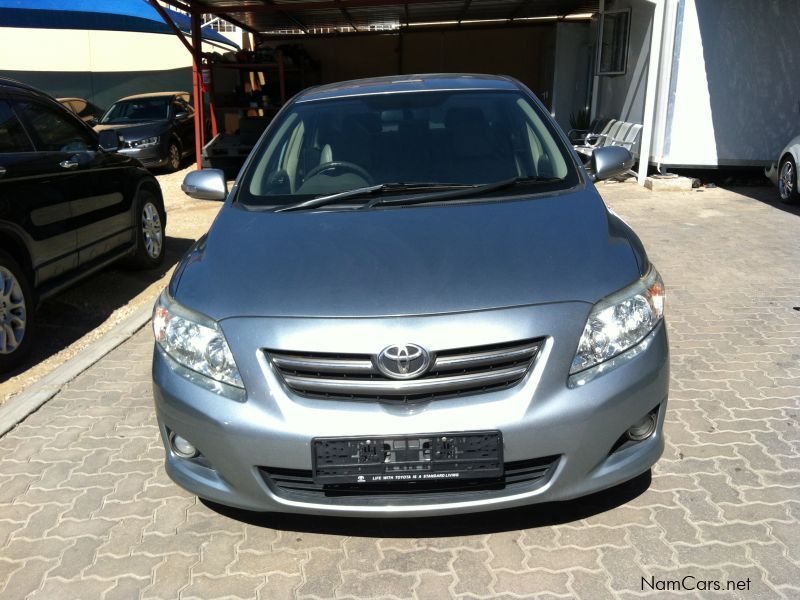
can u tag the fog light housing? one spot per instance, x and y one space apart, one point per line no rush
182 447
643 429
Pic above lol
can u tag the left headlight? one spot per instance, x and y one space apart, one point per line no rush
620 321
145 143
194 341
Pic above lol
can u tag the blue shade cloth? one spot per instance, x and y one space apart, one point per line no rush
114 15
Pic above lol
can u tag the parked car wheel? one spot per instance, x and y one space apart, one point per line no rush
787 181
16 313
150 232
173 157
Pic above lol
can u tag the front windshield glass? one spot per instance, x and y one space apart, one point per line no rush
326 147
140 109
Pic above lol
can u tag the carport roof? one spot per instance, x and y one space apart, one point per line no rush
274 16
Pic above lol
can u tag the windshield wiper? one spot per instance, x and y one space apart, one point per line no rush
371 190
473 190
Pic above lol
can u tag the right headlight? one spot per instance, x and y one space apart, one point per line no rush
620 321
150 142
194 341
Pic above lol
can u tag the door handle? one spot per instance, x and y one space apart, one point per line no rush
2 171
68 164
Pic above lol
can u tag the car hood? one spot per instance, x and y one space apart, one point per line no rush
136 131
409 261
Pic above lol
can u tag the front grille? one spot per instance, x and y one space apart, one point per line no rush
452 373
299 484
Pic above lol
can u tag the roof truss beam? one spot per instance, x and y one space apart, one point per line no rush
300 25
346 14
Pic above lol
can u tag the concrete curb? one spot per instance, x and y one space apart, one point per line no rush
22 405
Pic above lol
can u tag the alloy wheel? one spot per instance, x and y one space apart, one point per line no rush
786 181
152 230
174 157
13 314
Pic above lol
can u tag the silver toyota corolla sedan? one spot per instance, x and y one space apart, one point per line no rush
413 302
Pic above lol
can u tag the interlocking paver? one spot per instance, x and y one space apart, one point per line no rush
86 509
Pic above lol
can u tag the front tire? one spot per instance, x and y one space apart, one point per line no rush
173 157
787 181
16 313
150 231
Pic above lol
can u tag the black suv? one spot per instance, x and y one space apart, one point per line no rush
157 128
69 205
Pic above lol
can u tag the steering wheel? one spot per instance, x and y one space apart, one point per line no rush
340 164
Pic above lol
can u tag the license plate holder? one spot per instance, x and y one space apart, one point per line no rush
392 459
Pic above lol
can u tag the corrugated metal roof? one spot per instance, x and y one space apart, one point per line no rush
270 16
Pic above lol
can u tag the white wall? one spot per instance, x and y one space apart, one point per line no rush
98 65
735 93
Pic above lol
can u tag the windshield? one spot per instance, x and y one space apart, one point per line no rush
141 109
327 147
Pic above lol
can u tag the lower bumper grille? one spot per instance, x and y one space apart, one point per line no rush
299 485
457 372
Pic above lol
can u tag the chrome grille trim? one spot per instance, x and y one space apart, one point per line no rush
453 372
325 365
489 357
388 387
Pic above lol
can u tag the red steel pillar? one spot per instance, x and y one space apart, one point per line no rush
197 84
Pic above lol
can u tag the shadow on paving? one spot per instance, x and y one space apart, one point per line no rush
766 194
71 314
513 519
745 181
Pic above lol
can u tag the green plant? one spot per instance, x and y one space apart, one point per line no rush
580 120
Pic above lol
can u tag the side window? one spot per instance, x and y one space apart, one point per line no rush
53 131
12 137
187 104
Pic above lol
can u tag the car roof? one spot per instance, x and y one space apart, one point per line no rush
154 95
409 83
14 85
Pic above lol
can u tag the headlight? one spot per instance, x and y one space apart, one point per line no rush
194 341
145 143
620 321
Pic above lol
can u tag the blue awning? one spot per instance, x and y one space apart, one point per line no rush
119 15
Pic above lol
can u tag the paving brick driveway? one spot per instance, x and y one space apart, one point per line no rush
86 510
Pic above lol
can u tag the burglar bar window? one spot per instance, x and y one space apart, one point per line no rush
614 31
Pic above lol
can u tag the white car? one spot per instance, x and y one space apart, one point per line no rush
784 173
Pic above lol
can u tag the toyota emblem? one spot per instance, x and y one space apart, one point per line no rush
403 361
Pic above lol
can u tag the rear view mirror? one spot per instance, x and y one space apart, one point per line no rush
208 184
109 140
610 161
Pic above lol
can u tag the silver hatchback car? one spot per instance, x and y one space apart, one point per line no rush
413 302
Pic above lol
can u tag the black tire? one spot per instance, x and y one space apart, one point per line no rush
787 181
173 157
17 303
151 221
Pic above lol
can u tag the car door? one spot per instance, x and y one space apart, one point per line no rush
100 206
35 196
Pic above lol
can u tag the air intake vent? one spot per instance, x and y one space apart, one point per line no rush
299 484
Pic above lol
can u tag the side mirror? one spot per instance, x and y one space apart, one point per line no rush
609 161
109 140
208 184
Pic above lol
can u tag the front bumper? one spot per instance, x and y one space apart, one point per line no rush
544 415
